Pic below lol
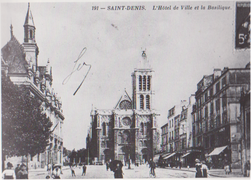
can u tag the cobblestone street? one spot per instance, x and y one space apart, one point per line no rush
134 172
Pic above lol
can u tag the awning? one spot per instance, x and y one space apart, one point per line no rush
217 151
171 155
165 155
185 155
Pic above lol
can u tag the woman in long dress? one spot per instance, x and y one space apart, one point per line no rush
198 168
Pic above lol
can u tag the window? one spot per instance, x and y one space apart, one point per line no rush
38 157
224 102
31 34
148 128
224 81
147 102
218 106
183 144
144 83
141 102
206 97
142 128
218 121
148 83
206 112
211 92
104 129
217 87
206 125
140 83
200 127
211 108
103 144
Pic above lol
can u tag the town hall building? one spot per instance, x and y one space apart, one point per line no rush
128 131
20 63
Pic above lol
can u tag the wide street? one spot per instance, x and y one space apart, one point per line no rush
100 172
135 172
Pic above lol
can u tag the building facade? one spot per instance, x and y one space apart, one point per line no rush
245 126
20 63
216 116
177 134
128 131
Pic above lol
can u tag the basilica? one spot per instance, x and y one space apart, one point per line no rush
128 131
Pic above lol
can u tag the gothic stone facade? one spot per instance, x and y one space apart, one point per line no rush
20 63
127 131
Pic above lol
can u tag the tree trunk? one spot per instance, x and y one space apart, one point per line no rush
3 159
27 163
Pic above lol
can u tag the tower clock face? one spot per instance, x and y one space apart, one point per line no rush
125 105
126 121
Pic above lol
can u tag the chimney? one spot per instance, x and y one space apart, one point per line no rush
217 73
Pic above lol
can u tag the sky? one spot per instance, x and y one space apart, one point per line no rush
181 45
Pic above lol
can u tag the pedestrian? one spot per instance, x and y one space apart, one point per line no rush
247 169
198 168
118 173
56 173
17 169
204 169
9 173
107 165
72 172
227 169
84 169
22 173
152 166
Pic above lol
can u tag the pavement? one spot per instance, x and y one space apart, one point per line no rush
214 172
99 171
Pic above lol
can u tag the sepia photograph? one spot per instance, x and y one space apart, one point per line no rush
124 89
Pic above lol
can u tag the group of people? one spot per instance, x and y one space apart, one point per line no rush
84 167
20 172
201 169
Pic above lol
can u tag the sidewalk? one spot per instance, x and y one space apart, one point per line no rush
41 173
214 172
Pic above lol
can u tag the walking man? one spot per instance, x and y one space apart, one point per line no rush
84 170
152 166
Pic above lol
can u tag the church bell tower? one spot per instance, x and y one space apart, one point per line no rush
142 80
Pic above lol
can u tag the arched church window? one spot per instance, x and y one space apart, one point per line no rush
104 129
103 144
140 83
126 137
144 83
125 105
147 102
141 101
148 127
142 128
148 83
31 34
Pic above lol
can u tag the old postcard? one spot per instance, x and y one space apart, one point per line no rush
127 89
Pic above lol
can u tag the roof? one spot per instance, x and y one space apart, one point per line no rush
29 18
124 97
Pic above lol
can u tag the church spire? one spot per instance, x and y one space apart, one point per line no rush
29 27
11 31
29 18
143 62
